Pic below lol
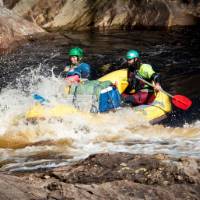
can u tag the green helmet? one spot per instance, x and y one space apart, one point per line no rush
131 54
76 52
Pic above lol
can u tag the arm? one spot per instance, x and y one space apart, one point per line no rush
67 68
83 71
65 71
146 71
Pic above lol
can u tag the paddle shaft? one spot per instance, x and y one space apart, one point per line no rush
179 101
150 84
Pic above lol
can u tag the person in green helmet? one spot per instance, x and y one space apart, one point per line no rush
137 92
76 69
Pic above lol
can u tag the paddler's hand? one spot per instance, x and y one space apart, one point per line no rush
66 69
157 87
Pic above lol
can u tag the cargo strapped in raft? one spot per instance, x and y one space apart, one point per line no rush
94 96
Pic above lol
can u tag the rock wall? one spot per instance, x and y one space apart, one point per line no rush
13 28
22 17
103 14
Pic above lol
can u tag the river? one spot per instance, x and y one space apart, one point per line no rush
36 67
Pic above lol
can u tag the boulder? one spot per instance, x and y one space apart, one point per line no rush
109 176
14 28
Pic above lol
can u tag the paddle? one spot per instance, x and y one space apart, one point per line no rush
179 101
40 98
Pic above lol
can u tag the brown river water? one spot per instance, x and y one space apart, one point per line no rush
36 67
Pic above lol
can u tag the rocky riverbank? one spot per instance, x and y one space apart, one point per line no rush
19 18
110 176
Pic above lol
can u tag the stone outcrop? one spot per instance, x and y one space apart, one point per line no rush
110 176
22 17
103 14
14 28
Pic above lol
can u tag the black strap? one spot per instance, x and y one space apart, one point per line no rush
74 101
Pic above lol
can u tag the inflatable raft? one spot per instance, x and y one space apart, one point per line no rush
154 112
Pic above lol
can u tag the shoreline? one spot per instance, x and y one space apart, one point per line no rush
110 176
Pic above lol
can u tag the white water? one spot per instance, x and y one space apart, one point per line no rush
50 143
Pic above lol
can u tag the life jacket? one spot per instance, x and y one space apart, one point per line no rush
82 70
146 72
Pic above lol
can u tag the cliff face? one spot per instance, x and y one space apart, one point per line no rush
13 27
83 14
22 17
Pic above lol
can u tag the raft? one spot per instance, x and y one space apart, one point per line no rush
154 112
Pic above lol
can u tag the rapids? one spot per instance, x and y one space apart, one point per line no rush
36 67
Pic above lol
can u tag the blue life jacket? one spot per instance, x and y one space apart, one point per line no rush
82 70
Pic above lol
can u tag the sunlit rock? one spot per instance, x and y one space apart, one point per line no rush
109 176
83 14
1 3
13 28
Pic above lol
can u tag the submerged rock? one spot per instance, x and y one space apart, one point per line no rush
110 176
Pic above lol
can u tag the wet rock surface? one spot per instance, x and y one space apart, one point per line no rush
110 176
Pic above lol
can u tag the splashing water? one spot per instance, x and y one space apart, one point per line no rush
49 143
